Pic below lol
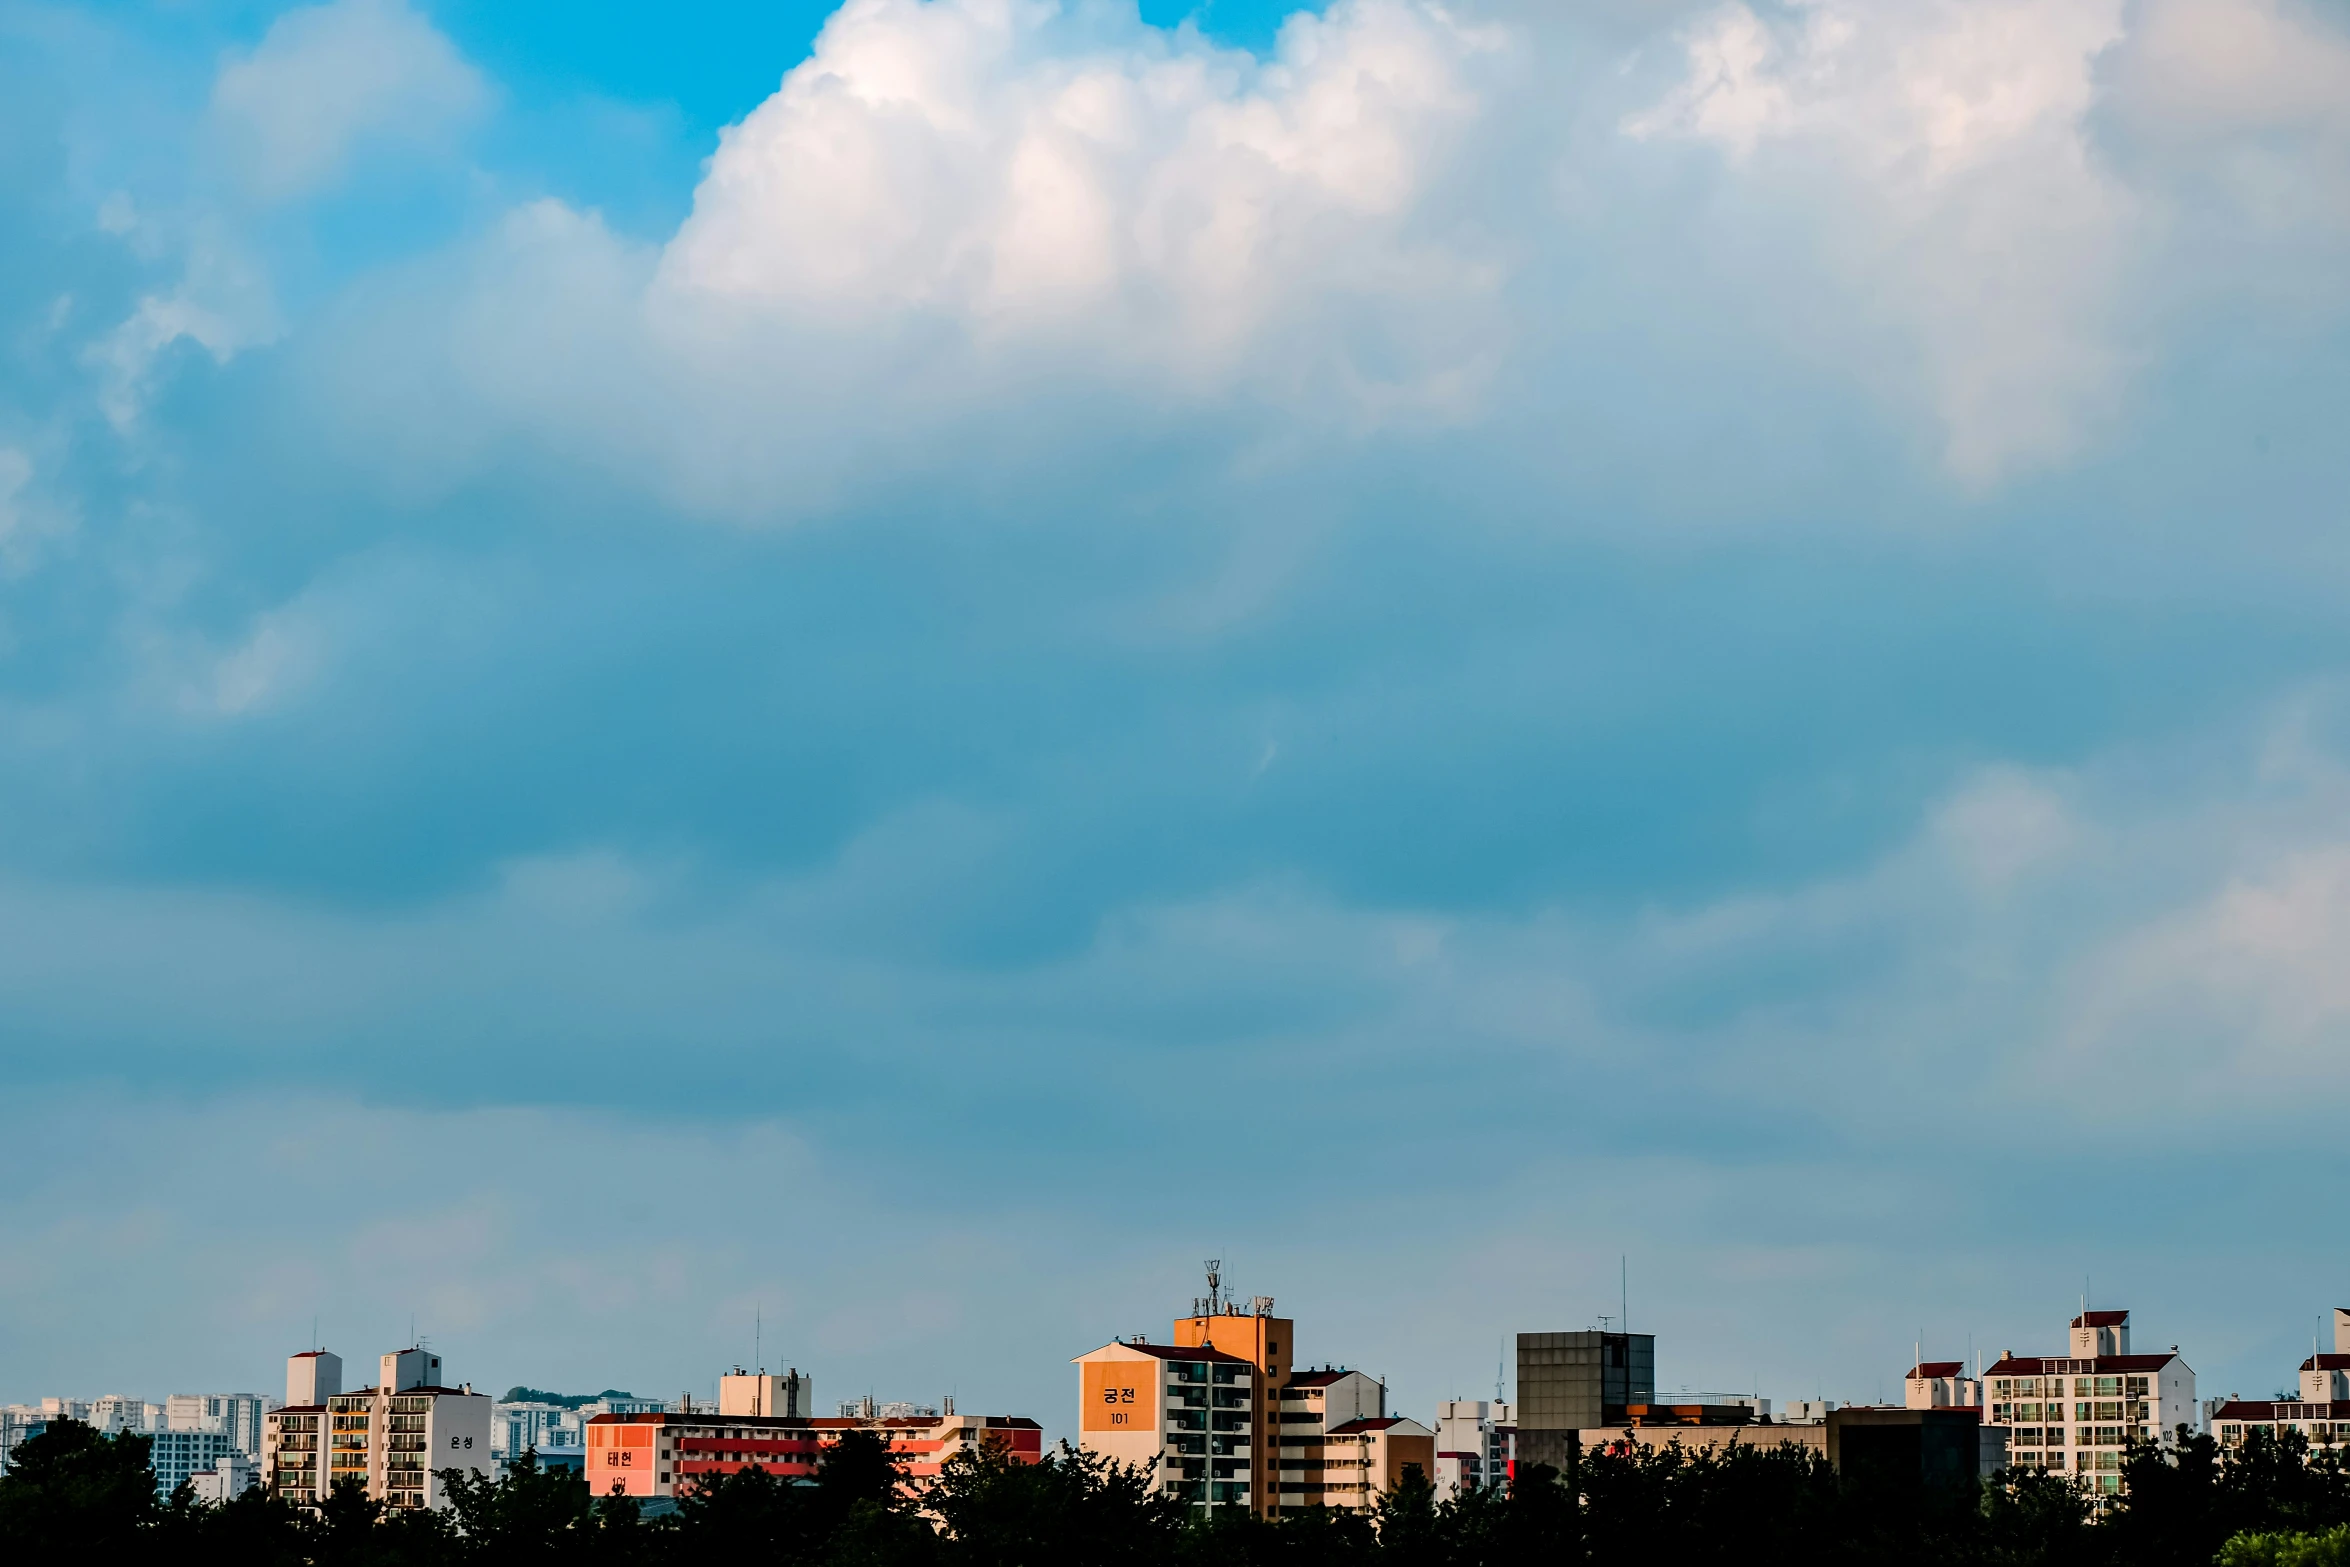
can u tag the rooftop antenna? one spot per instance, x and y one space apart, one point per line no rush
758 1328
1624 1289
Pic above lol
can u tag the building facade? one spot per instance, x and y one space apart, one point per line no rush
1182 1412
666 1453
394 1439
2321 1413
178 1456
791 1392
1940 1384
1569 1383
530 1426
1476 1446
1250 1332
229 1478
1311 1406
235 1415
2078 1412
1364 1459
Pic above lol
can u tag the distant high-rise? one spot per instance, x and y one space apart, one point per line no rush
1569 1383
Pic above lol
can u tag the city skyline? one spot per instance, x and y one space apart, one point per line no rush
842 684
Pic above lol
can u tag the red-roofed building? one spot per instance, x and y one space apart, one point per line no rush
1182 1412
2078 1412
1365 1458
669 1452
1940 1384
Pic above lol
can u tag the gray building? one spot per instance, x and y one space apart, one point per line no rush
1569 1383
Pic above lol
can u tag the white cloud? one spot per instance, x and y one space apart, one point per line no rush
1037 167
1944 153
325 80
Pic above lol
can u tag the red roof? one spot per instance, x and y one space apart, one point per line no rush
2326 1363
2101 1319
306 1354
2033 1365
1367 1423
1937 1368
2281 1409
1318 1378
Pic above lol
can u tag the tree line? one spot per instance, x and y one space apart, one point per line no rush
2270 1503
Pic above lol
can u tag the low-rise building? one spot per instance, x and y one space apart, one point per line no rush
229 1478
667 1453
2079 1412
1475 1446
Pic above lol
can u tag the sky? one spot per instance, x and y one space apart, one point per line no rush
693 682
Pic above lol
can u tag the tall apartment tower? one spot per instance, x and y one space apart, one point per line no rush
1180 1412
1248 1331
393 1439
1569 1383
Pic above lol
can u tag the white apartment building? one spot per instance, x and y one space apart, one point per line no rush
395 1438
2321 1413
528 1427
114 1414
1181 1413
1476 1446
1306 1409
236 1415
2078 1412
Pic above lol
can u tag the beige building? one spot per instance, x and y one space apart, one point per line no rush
790 1393
1186 1414
669 1452
2321 1413
2080 1411
393 1439
1364 1459
1306 1411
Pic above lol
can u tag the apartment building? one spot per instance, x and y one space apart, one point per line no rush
669 1452
1249 1331
1476 1446
533 1426
1940 1384
790 1392
2077 1412
1365 1458
2321 1413
394 1439
1305 1411
178 1456
1186 1413
235 1415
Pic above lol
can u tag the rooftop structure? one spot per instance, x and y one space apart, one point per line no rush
2078 1412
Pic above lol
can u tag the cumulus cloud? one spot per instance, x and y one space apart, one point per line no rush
325 81
1943 153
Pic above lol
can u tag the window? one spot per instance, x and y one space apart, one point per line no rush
2135 1387
2109 1387
2027 1436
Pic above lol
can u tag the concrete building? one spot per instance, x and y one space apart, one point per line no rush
2078 1412
1476 1446
229 1478
529 1426
235 1415
1364 1458
743 1392
2321 1413
1940 1384
1249 1331
663 1454
175 1456
394 1438
1929 1447
1186 1413
1569 1383
1306 1411
115 1414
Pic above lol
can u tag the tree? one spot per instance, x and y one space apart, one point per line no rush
71 1489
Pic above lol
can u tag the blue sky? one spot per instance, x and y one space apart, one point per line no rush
905 671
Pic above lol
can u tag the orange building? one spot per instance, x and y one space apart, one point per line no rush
667 1453
1252 1333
